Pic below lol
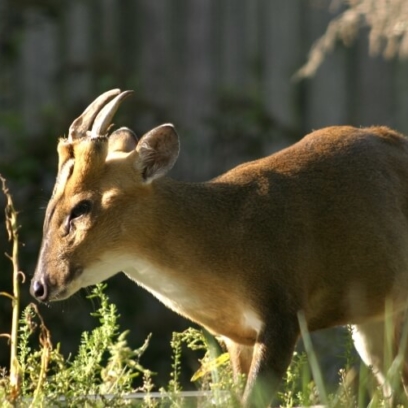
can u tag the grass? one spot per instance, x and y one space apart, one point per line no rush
103 371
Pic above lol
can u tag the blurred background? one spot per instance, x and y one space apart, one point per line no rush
227 73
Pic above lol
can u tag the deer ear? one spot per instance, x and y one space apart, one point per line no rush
122 140
158 151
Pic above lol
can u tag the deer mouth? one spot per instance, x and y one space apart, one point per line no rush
46 291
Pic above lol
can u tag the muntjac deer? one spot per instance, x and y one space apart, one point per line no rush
320 228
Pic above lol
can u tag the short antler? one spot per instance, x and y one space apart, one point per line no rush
81 124
105 116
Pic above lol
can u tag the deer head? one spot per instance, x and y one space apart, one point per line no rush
95 170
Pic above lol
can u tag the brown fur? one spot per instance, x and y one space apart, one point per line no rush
320 228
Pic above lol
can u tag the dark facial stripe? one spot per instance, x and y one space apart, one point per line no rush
63 176
50 213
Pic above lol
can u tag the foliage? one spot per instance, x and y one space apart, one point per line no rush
388 31
298 388
104 367
214 374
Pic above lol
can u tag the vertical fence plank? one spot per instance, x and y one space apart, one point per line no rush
281 39
234 72
373 91
10 87
326 99
78 52
154 49
400 89
110 28
195 100
38 67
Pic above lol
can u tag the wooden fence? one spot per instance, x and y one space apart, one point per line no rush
189 62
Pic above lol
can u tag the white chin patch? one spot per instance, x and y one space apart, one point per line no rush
106 266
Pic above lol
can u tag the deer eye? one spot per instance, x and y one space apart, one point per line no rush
82 208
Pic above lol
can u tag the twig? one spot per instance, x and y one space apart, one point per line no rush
46 348
12 230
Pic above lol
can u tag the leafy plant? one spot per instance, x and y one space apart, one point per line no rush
214 377
104 366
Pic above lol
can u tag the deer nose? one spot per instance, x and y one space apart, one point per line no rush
39 289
